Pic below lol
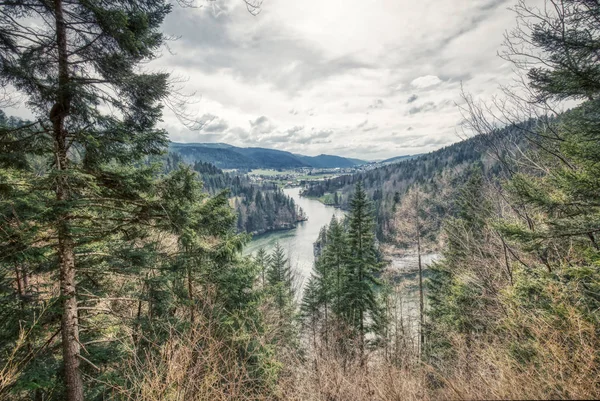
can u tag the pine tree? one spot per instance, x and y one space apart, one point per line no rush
74 70
336 257
456 306
565 191
262 259
362 310
281 288
310 306
280 279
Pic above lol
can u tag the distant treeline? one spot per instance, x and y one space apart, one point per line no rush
440 172
260 207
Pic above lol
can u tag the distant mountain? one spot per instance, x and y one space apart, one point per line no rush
329 161
358 162
220 157
230 157
399 159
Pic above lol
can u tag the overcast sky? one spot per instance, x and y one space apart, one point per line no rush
361 78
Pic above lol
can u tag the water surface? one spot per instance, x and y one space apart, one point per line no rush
298 242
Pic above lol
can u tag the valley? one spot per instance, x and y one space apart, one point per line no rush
305 201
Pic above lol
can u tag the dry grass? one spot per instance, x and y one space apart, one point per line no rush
327 378
195 365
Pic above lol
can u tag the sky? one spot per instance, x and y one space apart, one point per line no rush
369 79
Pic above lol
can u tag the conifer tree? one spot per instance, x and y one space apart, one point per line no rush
455 306
566 147
95 116
362 310
280 279
310 306
336 257
262 259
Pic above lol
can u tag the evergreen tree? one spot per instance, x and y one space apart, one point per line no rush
281 287
280 279
262 259
95 117
565 190
336 257
362 311
310 306
455 305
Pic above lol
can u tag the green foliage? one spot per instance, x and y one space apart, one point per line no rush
361 310
280 278
260 207
342 290
539 228
437 173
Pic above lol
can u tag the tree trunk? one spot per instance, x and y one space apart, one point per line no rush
66 252
421 303
326 326
191 294
69 322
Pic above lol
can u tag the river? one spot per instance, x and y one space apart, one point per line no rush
298 242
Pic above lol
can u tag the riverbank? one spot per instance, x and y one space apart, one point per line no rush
327 200
281 227
298 242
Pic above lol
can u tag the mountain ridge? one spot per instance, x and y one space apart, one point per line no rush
232 157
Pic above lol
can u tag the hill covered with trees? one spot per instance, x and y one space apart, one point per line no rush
232 157
440 172
260 207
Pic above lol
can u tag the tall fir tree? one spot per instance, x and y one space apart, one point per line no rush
336 257
280 278
362 310
95 115
262 259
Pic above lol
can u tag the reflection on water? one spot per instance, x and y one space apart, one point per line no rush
298 242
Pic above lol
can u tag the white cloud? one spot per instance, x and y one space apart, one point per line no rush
341 70
425 81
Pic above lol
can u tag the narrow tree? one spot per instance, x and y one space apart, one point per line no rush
362 310
411 220
336 256
280 279
262 259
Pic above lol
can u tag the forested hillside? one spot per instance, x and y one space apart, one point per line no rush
260 207
439 172
232 157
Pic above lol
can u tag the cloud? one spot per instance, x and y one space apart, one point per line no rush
262 125
294 130
377 104
315 137
259 121
213 124
425 81
428 106
361 125
296 78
